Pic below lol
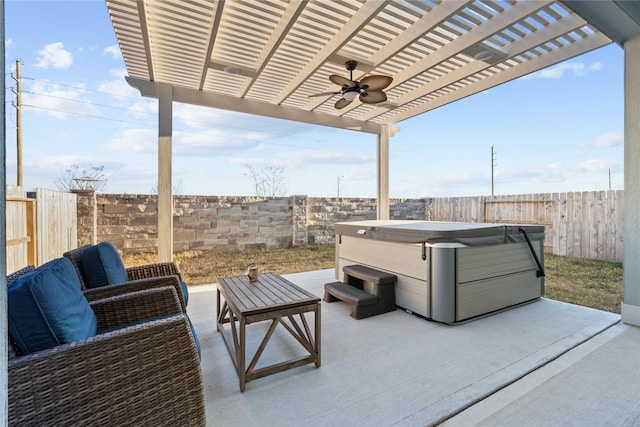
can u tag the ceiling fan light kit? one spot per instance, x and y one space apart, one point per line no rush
368 90
350 95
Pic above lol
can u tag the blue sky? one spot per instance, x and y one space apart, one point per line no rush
558 130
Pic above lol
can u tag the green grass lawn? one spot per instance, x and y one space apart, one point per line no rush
591 283
587 282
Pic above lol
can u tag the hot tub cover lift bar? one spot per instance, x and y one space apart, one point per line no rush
539 272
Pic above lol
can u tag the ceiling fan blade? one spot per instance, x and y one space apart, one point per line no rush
375 82
324 94
342 103
341 81
373 97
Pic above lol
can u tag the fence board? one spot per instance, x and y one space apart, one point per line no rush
16 228
57 222
601 225
619 238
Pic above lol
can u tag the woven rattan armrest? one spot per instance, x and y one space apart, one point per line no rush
24 270
153 270
148 374
126 309
137 285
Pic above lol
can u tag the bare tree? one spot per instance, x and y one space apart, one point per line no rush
77 178
268 181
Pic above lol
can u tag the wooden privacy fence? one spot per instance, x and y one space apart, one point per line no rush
40 226
20 231
577 224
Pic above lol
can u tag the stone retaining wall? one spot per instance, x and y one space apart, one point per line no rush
220 223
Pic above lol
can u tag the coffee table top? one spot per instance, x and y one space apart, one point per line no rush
270 292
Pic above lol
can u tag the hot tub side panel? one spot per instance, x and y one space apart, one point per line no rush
402 259
496 277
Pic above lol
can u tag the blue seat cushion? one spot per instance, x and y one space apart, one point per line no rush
195 338
47 308
185 292
103 266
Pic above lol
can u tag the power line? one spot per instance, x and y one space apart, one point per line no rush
79 88
86 115
221 112
80 101
93 116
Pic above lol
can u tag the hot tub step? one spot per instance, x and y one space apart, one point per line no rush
369 274
380 299
347 293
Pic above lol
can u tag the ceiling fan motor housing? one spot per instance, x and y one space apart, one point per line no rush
351 65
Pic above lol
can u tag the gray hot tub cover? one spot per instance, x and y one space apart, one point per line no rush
434 232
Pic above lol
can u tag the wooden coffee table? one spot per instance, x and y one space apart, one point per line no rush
271 298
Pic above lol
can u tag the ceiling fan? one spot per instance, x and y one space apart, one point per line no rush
368 90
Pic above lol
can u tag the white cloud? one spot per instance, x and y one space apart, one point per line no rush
323 156
119 88
579 69
9 44
54 55
595 165
113 51
213 142
59 102
241 161
135 140
66 161
608 140
359 174
210 118
119 73
143 108
459 180
204 143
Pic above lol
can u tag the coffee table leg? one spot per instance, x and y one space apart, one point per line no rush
218 309
242 373
318 340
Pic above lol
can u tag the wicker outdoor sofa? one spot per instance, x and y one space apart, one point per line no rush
145 374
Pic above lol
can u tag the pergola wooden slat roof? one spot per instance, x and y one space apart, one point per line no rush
274 54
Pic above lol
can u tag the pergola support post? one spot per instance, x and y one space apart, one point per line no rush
383 172
630 309
165 190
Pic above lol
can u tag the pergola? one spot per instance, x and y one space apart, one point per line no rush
268 57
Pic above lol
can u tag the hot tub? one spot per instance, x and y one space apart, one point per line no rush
449 271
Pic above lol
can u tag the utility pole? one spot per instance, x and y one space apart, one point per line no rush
18 106
493 163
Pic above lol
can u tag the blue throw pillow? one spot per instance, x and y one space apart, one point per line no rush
103 266
47 308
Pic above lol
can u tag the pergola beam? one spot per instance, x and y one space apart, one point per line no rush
207 99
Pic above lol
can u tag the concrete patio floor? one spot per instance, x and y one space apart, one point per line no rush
544 363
